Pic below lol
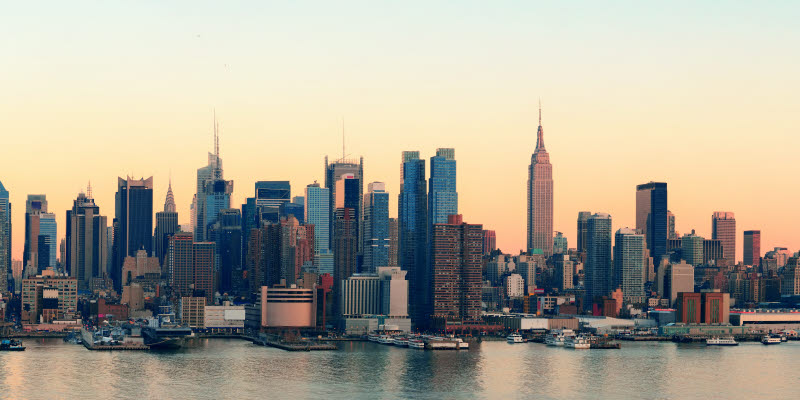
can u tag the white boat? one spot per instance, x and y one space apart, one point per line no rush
514 338
416 344
557 337
721 341
401 341
771 339
462 344
386 340
577 342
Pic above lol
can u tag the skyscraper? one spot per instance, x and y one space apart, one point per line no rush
442 193
296 248
227 235
317 212
489 241
540 197
692 249
651 217
35 205
270 196
375 244
345 245
334 172
456 272
166 226
752 248
190 266
560 244
598 268
583 229
394 242
629 264
723 228
48 241
205 176
133 222
5 239
86 240
413 232
217 198
671 233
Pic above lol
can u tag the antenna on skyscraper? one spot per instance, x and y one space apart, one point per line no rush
216 135
540 111
343 153
89 190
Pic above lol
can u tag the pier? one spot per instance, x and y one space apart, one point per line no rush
297 345
88 342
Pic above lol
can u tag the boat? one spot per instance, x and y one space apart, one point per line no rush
385 339
514 338
11 345
557 337
462 344
721 341
163 333
771 339
401 341
577 342
416 344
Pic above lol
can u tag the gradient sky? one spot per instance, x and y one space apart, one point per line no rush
702 95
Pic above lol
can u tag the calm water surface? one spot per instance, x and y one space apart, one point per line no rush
222 368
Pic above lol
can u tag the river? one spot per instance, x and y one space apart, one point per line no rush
230 368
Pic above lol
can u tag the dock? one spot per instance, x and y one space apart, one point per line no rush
301 345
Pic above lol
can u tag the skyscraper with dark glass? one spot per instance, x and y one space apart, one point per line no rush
270 196
598 271
228 267
651 217
86 241
442 194
583 230
318 213
375 246
413 232
334 172
133 222
752 248
35 205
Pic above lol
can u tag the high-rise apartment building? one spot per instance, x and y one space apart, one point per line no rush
489 241
723 228
752 247
166 226
598 270
629 265
86 244
133 222
540 197
317 212
651 217
442 193
583 230
345 246
456 272
413 232
47 242
191 267
375 246
334 172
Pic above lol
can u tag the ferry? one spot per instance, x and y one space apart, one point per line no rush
11 345
462 344
771 339
515 338
721 341
386 339
416 344
401 341
577 342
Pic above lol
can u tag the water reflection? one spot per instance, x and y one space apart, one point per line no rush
237 369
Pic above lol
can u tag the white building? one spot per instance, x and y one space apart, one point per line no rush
515 286
225 317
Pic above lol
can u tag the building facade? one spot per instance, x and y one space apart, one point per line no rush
752 247
629 265
723 228
133 222
456 279
651 217
599 267
413 232
540 197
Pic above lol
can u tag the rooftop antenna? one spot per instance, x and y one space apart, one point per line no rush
89 190
343 152
540 111
217 166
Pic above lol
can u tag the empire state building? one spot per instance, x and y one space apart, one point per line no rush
540 197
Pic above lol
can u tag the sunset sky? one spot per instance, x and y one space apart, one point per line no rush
702 95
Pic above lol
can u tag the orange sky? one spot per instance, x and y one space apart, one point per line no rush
704 101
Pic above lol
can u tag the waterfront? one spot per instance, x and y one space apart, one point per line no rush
230 368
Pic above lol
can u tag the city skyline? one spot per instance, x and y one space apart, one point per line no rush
708 107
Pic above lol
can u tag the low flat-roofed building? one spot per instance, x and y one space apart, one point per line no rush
767 321
366 324
702 329
224 318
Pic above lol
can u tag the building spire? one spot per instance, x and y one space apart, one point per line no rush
217 161
89 190
169 202
540 132
343 142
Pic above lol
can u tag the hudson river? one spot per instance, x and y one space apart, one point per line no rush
224 369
